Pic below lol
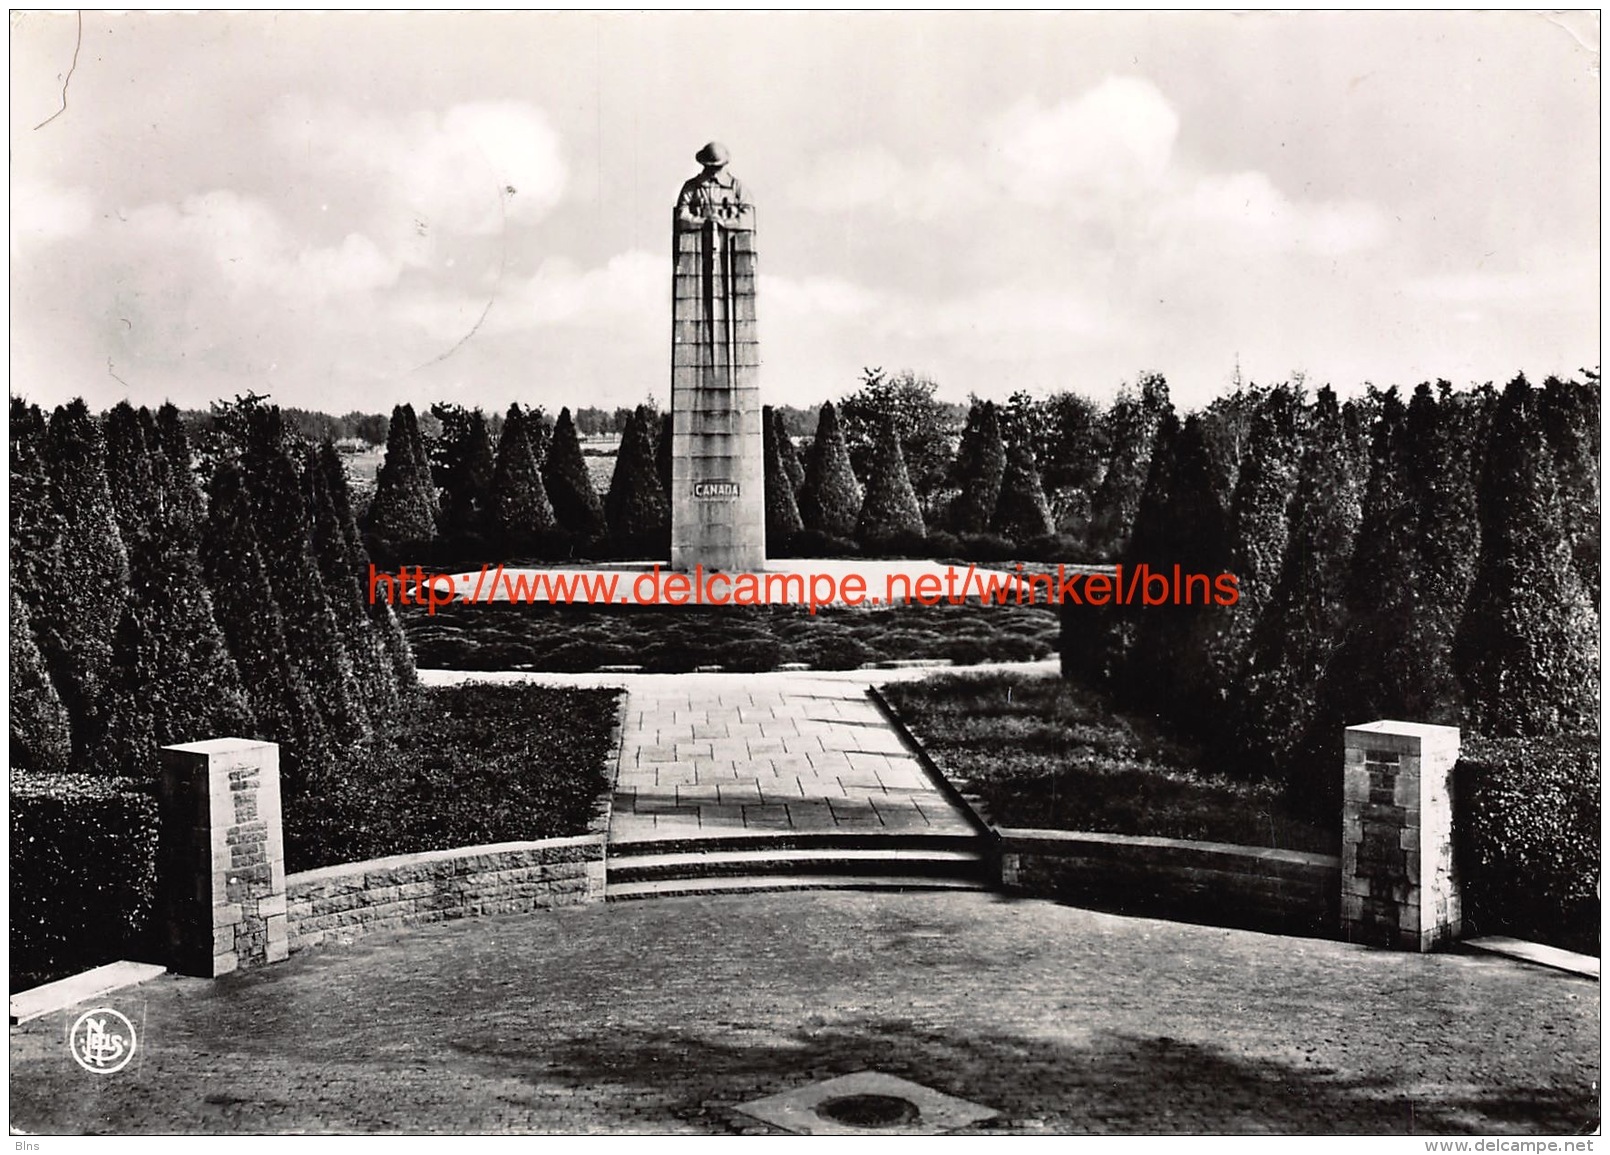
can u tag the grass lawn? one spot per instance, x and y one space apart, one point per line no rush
474 764
506 636
1051 754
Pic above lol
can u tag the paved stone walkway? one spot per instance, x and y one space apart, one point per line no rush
732 754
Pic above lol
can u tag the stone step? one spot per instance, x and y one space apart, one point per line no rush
675 887
803 840
894 861
1537 953
80 988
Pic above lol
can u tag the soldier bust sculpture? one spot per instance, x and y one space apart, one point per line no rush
715 196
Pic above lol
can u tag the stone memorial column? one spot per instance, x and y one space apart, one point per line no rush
1400 884
718 500
223 856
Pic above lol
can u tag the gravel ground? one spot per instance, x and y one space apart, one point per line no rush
663 1016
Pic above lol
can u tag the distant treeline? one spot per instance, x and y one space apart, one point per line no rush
312 425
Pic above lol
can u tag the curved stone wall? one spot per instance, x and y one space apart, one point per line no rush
1283 891
408 889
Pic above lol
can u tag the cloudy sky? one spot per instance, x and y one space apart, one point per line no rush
347 211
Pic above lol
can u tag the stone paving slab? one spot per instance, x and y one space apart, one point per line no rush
796 754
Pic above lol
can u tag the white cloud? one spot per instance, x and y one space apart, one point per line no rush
1116 138
992 312
42 212
356 265
1093 173
1245 209
871 178
631 286
788 300
1011 312
1484 288
251 248
469 171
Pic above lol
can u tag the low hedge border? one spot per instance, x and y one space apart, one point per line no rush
1526 826
83 846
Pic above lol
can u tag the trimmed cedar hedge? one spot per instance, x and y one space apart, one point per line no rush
83 874
1527 828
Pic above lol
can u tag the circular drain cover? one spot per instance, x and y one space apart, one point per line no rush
871 1111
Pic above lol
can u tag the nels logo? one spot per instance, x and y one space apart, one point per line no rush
102 1041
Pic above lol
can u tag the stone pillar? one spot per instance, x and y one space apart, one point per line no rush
1400 884
718 468
223 856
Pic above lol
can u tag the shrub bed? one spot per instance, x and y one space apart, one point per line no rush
83 874
474 764
1527 827
1044 753
751 639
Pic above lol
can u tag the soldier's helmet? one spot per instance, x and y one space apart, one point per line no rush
712 155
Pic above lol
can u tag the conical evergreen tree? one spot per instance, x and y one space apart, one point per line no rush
41 728
467 478
1114 638
401 511
247 612
163 503
782 511
1528 649
890 514
830 499
1441 479
1258 523
662 453
1180 524
1132 424
1296 637
1148 537
376 677
1358 425
636 508
1371 671
539 431
36 528
75 621
520 507
1570 415
183 499
129 745
788 455
421 456
570 488
279 517
1021 511
375 598
41 738
978 470
132 474
174 678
